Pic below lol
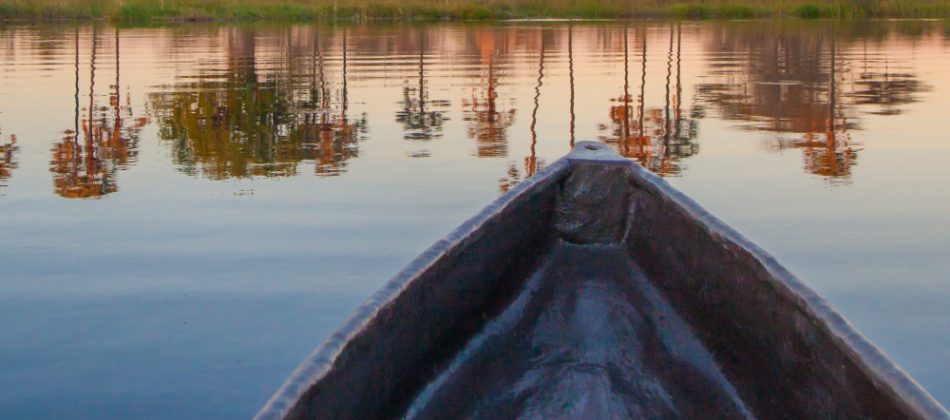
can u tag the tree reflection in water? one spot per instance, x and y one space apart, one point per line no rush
239 124
487 122
570 72
832 154
532 163
884 85
657 138
8 159
332 138
419 122
254 113
87 167
788 82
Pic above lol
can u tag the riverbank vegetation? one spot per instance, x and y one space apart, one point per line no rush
144 11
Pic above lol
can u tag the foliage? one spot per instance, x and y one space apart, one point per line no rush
157 11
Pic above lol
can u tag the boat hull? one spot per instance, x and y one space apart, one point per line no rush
596 290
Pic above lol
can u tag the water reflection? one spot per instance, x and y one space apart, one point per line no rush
273 100
781 110
8 159
884 84
656 137
8 155
787 81
420 116
488 118
570 72
238 123
86 165
831 155
532 163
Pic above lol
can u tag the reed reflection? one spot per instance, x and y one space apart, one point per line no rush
788 82
658 138
86 165
238 123
833 154
8 158
884 85
421 117
532 163
570 72
488 120
276 101
332 137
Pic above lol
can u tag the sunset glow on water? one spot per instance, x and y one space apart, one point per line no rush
190 210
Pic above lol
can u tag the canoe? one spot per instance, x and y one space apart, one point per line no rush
596 290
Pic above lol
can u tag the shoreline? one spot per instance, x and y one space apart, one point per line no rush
232 11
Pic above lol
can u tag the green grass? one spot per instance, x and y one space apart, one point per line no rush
723 11
808 11
158 11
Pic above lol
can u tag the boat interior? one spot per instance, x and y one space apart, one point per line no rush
595 290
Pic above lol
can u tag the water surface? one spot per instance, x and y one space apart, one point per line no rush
189 211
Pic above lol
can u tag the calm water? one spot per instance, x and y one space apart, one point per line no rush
189 211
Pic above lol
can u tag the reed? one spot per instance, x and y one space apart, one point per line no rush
144 11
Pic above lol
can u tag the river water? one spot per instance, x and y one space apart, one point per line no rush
189 210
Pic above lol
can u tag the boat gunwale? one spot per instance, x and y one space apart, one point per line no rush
867 357
318 364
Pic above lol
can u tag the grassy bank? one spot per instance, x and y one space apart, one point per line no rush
143 11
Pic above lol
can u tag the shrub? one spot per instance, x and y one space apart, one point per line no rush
808 11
